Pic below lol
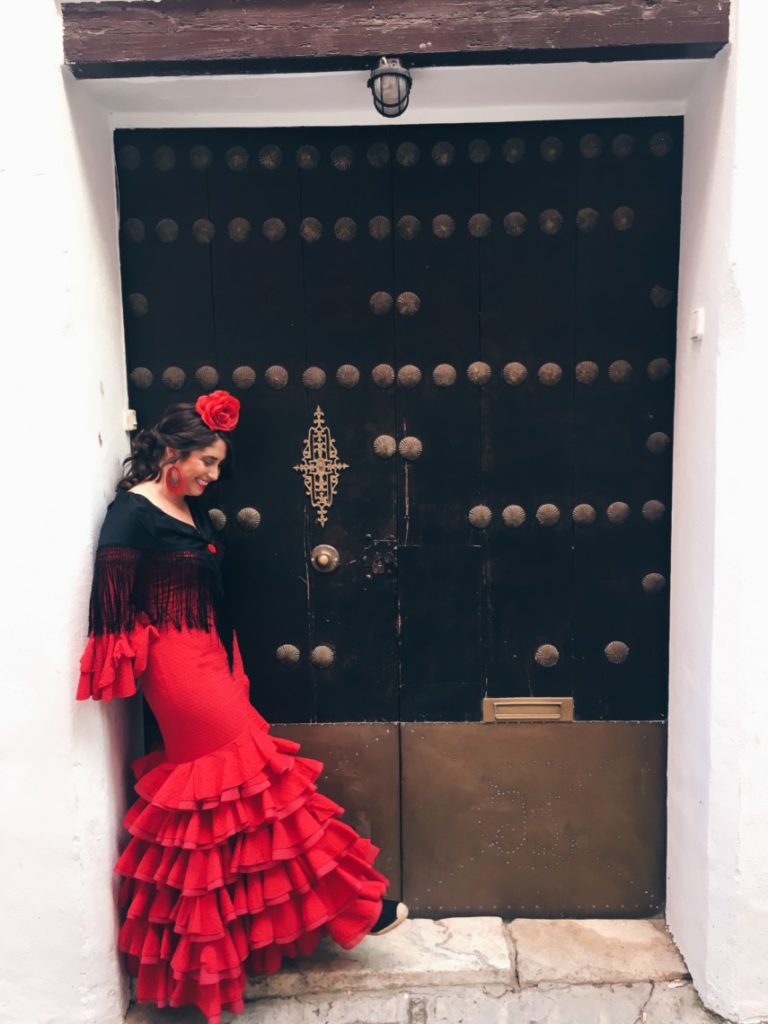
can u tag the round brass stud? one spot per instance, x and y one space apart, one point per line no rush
515 223
443 225
479 225
409 376
273 229
659 369
623 218
384 446
661 143
207 377
203 231
276 377
307 157
513 150
311 229
288 655
164 158
513 516
345 229
550 374
478 151
380 303
653 583
142 378
587 220
129 158
618 512
616 652
347 376
383 375
654 511
200 158
479 373
408 227
480 516
623 146
548 515
244 377
167 230
551 149
218 519
443 153
546 656
379 228
239 229
248 518
590 146
237 158
313 378
550 221
134 229
584 515
378 154
342 158
661 297
444 375
657 442
173 378
322 656
514 374
587 372
408 303
407 154
138 304
410 448
620 371
270 156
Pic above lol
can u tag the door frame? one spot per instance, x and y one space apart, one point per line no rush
523 92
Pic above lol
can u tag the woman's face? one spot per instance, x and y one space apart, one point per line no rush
201 466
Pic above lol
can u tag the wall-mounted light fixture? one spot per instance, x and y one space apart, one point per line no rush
390 84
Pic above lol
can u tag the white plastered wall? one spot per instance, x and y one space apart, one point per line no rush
63 764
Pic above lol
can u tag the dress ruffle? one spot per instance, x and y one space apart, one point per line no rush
112 662
235 862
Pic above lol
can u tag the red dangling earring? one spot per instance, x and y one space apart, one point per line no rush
174 481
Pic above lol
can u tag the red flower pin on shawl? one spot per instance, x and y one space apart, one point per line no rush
219 410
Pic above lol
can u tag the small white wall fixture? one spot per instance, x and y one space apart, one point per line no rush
718 807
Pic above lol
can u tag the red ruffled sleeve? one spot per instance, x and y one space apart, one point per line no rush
112 663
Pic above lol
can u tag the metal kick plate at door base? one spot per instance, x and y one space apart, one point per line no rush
528 709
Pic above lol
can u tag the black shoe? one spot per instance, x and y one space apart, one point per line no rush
392 914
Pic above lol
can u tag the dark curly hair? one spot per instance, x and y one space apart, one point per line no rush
179 427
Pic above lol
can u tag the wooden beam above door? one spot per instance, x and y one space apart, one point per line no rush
141 37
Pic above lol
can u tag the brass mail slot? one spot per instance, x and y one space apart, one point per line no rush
528 709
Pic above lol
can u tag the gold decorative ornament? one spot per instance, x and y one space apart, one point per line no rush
173 378
550 221
408 227
288 654
383 375
142 377
480 516
587 220
313 378
617 512
307 157
203 231
616 652
270 157
590 146
653 583
583 515
218 518
276 377
443 153
345 229
378 154
342 158
479 225
443 225
513 150
239 229
200 158
478 373
384 446
653 511
444 375
380 303
551 149
623 218
320 467
322 656
658 369
515 223
347 376
237 158
514 374
273 229
620 371
409 376
408 303
244 377
167 230
379 228
550 374
547 656
249 518
657 443
311 229
478 151
410 448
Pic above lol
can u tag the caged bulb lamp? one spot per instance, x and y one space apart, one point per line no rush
390 84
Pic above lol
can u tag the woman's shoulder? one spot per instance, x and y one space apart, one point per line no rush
126 522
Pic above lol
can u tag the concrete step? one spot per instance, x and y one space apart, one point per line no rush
479 971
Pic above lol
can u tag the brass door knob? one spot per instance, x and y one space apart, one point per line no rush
325 558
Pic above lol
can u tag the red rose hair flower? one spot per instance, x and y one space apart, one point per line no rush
219 410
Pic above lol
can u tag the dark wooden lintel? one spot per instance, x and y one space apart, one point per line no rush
241 36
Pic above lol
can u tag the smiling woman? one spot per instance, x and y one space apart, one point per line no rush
235 861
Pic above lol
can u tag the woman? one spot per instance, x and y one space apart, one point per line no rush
235 860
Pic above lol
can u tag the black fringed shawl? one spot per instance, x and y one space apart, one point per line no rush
148 561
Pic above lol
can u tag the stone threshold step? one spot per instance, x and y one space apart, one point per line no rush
481 969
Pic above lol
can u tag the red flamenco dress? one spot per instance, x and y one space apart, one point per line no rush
235 860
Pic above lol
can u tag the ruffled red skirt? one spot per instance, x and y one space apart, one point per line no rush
235 860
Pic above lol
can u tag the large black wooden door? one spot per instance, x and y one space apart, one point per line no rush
453 346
